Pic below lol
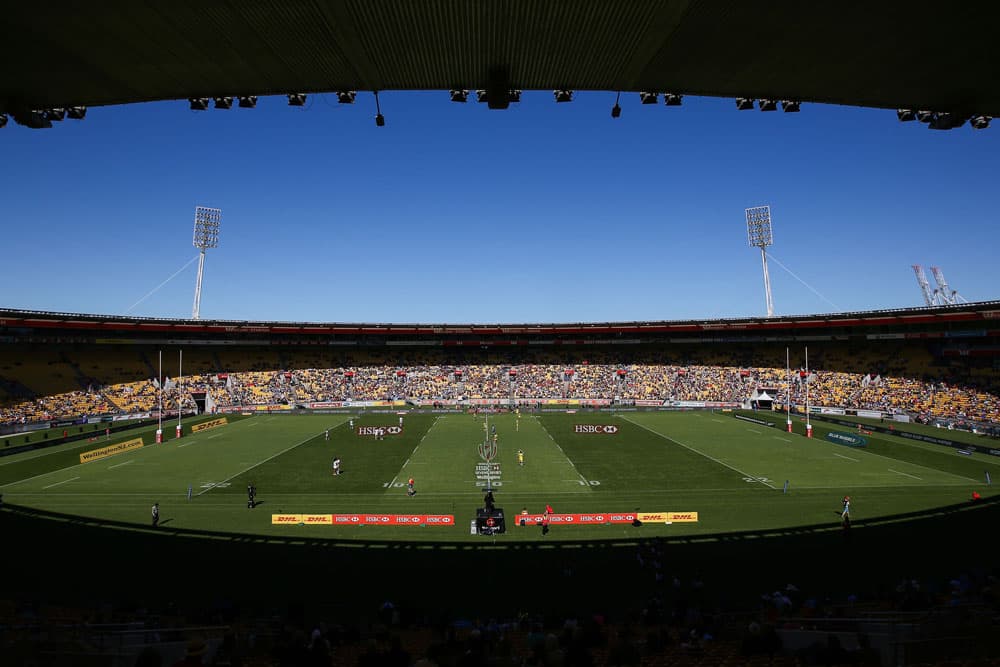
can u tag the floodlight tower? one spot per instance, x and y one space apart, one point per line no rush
206 235
759 235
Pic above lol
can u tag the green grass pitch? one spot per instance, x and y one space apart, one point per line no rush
731 472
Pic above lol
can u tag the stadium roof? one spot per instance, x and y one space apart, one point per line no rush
886 54
981 314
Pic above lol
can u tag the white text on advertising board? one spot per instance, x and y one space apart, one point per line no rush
600 429
379 430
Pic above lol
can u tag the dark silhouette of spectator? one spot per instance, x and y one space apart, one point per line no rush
833 653
149 657
194 654
397 656
623 651
318 651
865 655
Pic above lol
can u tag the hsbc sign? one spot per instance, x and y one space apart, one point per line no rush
600 429
379 430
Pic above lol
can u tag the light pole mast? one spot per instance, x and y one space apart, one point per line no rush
759 236
206 235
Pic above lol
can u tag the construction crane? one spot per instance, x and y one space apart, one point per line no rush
943 295
930 299
946 295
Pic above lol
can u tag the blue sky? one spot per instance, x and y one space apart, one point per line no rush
455 213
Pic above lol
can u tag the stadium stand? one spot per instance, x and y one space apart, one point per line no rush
899 378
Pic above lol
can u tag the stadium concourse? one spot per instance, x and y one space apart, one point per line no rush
931 365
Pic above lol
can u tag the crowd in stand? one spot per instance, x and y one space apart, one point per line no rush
622 383
677 618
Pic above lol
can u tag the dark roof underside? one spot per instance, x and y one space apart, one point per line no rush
890 54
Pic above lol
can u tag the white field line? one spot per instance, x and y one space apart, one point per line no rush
44 474
62 482
39 454
719 421
533 494
904 473
847 457
118 465
753 431
287 449
917 465
250 421
707 456
584 479
778 437
433 424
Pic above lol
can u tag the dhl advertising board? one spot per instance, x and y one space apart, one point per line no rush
363 519
212 423
110 450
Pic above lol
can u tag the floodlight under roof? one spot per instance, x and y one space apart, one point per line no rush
977 122
744 103
248 101
35 119
768 105
346 96
672 99
55 114
481 96
76 113
946 121
296 99
3 120
906 115
925 116
198 103
788 106
514 96
223 103
379 118
563 95
646 97
459 95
